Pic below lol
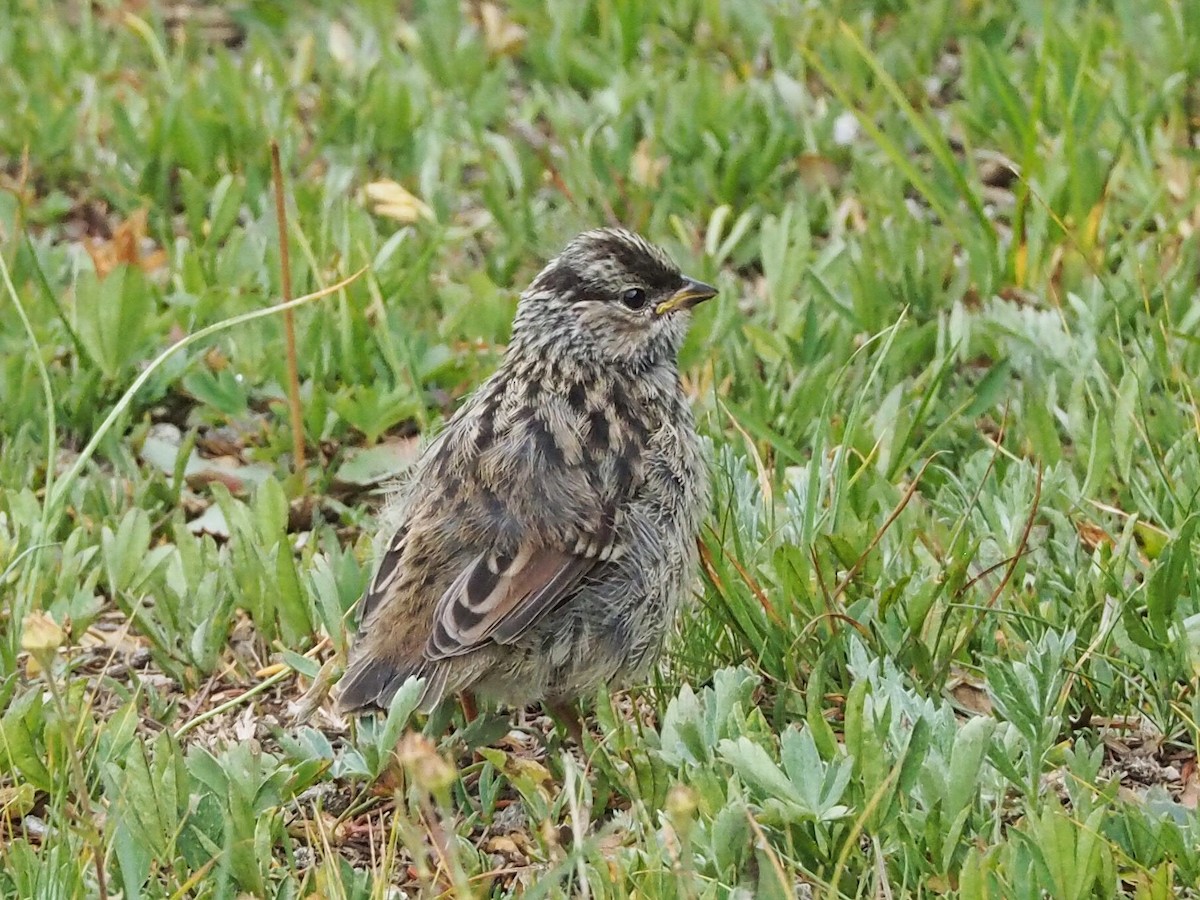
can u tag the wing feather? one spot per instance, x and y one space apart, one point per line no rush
387 574
499 597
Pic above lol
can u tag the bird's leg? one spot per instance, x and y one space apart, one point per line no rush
470 710
568 717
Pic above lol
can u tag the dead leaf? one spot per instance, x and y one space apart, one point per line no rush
225 440
998 172
121 642
939 884
87 220
817 171
318 822
1190 795
645 168
427 768
216 360
1093 536
226 470
521 767
970 694
245 727
302 709
501 35
391 200
126 248
209 22
610 844
504 845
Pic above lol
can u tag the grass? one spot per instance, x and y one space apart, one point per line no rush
947 633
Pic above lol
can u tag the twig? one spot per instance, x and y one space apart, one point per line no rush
289 323
1016 557
850 843
982 575
833 617
1012 561
441 846
769 852
755 587
816 564
230 704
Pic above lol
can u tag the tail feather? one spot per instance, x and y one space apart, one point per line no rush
371 681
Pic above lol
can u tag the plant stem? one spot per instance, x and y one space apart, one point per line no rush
289 323
82 795
235 702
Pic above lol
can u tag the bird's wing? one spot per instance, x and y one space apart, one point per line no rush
386 575
530 510
389 571
498 597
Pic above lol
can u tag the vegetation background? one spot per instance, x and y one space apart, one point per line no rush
946 638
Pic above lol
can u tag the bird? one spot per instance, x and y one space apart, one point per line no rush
545 540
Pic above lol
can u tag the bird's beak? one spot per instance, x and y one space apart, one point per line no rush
686 297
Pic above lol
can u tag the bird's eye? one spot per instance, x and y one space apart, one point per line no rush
634 298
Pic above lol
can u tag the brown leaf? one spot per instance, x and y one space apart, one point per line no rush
1092 535
125 248
501 35
120 642
161 448
40 634
1190 795
393 201
818 171
504 844
970 694
229 471
216 360
645 167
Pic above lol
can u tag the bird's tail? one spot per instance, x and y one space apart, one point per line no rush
372 681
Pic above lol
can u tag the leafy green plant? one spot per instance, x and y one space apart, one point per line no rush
113 316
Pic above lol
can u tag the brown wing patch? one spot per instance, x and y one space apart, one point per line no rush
498 597
386 576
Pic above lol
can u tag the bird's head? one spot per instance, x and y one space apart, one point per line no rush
613 296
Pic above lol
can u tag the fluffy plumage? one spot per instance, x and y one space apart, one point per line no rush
547 536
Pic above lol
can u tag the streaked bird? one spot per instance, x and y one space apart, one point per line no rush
546 538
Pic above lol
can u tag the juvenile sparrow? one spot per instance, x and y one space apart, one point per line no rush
546 537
